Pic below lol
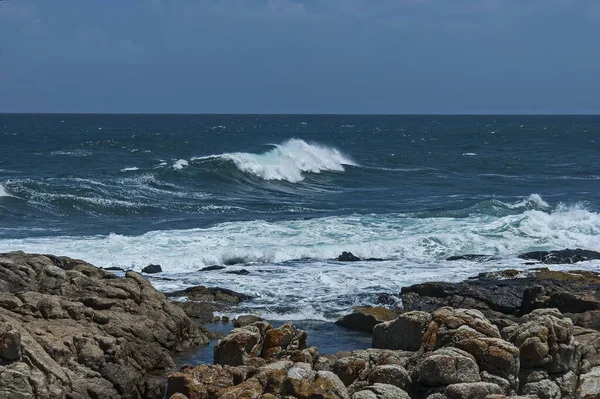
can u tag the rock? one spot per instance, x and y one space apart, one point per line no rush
365 318
450 325
202 293
241 272
10 342
472 258
510 292
260 342
474 390
589 385
152 269
446 366
211 268
113 269
381 391
544 389
70 329
545 340
349 369
563 256
348 257
404 333
390 374
235 348
244 320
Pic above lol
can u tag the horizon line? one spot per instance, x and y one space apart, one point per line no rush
298 114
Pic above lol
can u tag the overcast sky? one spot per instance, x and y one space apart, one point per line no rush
300 56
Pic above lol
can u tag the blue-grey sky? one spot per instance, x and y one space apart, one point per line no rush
300 56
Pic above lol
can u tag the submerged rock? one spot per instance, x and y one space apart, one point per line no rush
211 268
562 256
364 318
70 329
152 269
240 272
472 258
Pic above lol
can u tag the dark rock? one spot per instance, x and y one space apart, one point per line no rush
562 256
404 333
510 293
211 268
234 261
244 320
472 258
348 257
241 272
365 318
210 294
152 269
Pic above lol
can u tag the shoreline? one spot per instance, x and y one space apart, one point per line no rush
64 321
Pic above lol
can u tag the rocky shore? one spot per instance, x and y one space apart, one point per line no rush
71 330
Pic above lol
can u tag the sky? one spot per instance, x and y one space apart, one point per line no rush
300 56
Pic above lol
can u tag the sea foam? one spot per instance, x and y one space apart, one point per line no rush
288 161
3 192
291 264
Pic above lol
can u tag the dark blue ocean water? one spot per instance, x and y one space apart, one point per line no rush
283 195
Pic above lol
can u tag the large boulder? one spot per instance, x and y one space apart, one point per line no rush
71 329
260 342
404 333
381 391
364 318
446 366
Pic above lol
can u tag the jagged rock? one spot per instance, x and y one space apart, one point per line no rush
446 366
404 333
152 269
260 342
562 256
450 325
473 390
71 329
245 320
365 318
348 257
545 340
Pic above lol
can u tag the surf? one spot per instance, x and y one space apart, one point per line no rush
288 161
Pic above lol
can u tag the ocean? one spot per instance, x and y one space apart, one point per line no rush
282 196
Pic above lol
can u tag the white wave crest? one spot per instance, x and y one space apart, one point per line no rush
130 169
288 161
3 192
533 201
180 164
290 262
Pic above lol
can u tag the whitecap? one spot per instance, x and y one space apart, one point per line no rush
3 192
130 169
469 154
180 164
288 161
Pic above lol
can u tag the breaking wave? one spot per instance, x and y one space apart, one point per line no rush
288 161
